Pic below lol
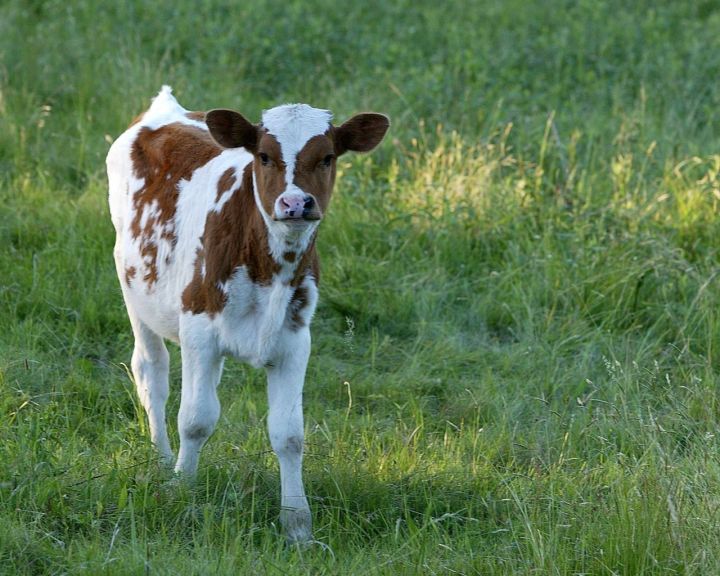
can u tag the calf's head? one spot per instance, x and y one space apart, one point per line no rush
295 148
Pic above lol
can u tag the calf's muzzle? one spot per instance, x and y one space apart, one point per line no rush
296 206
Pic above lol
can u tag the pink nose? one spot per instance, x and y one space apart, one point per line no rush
295 205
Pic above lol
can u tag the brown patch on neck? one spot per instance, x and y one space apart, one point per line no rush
300 298
309 263
161 158
298 303
199 116
236 236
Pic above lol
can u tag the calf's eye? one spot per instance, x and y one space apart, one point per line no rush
264 159
327 161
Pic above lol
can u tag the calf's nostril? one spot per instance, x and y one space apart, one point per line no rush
295 205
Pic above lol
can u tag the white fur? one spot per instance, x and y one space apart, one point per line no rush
166 110
293 125
255 325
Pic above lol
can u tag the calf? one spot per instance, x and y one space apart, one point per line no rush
216 220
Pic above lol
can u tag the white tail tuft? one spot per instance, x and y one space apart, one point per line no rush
165 96
164 109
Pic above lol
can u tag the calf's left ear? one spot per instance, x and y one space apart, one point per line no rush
231 129
361 133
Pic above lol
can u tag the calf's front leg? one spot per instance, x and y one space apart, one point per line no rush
285 426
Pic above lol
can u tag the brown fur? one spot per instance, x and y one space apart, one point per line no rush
309 263
311 174
162 158
360 133
130 274
225 183
233 237
298 302
270 178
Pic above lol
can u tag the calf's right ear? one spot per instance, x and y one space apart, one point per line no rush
231 129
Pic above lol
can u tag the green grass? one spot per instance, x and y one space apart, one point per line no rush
515 361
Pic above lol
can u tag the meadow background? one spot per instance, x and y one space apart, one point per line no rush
515 363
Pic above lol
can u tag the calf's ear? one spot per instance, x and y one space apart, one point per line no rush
361 133
231 129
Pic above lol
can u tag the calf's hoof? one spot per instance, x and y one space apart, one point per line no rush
166 460
297 525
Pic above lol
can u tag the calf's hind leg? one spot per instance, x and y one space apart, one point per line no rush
150 364
150 368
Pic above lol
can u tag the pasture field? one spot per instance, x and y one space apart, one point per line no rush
516 354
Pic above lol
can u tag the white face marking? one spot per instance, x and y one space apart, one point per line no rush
293 125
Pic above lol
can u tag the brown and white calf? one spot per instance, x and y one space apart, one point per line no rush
216 220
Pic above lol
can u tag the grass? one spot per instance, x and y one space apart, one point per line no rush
515 363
